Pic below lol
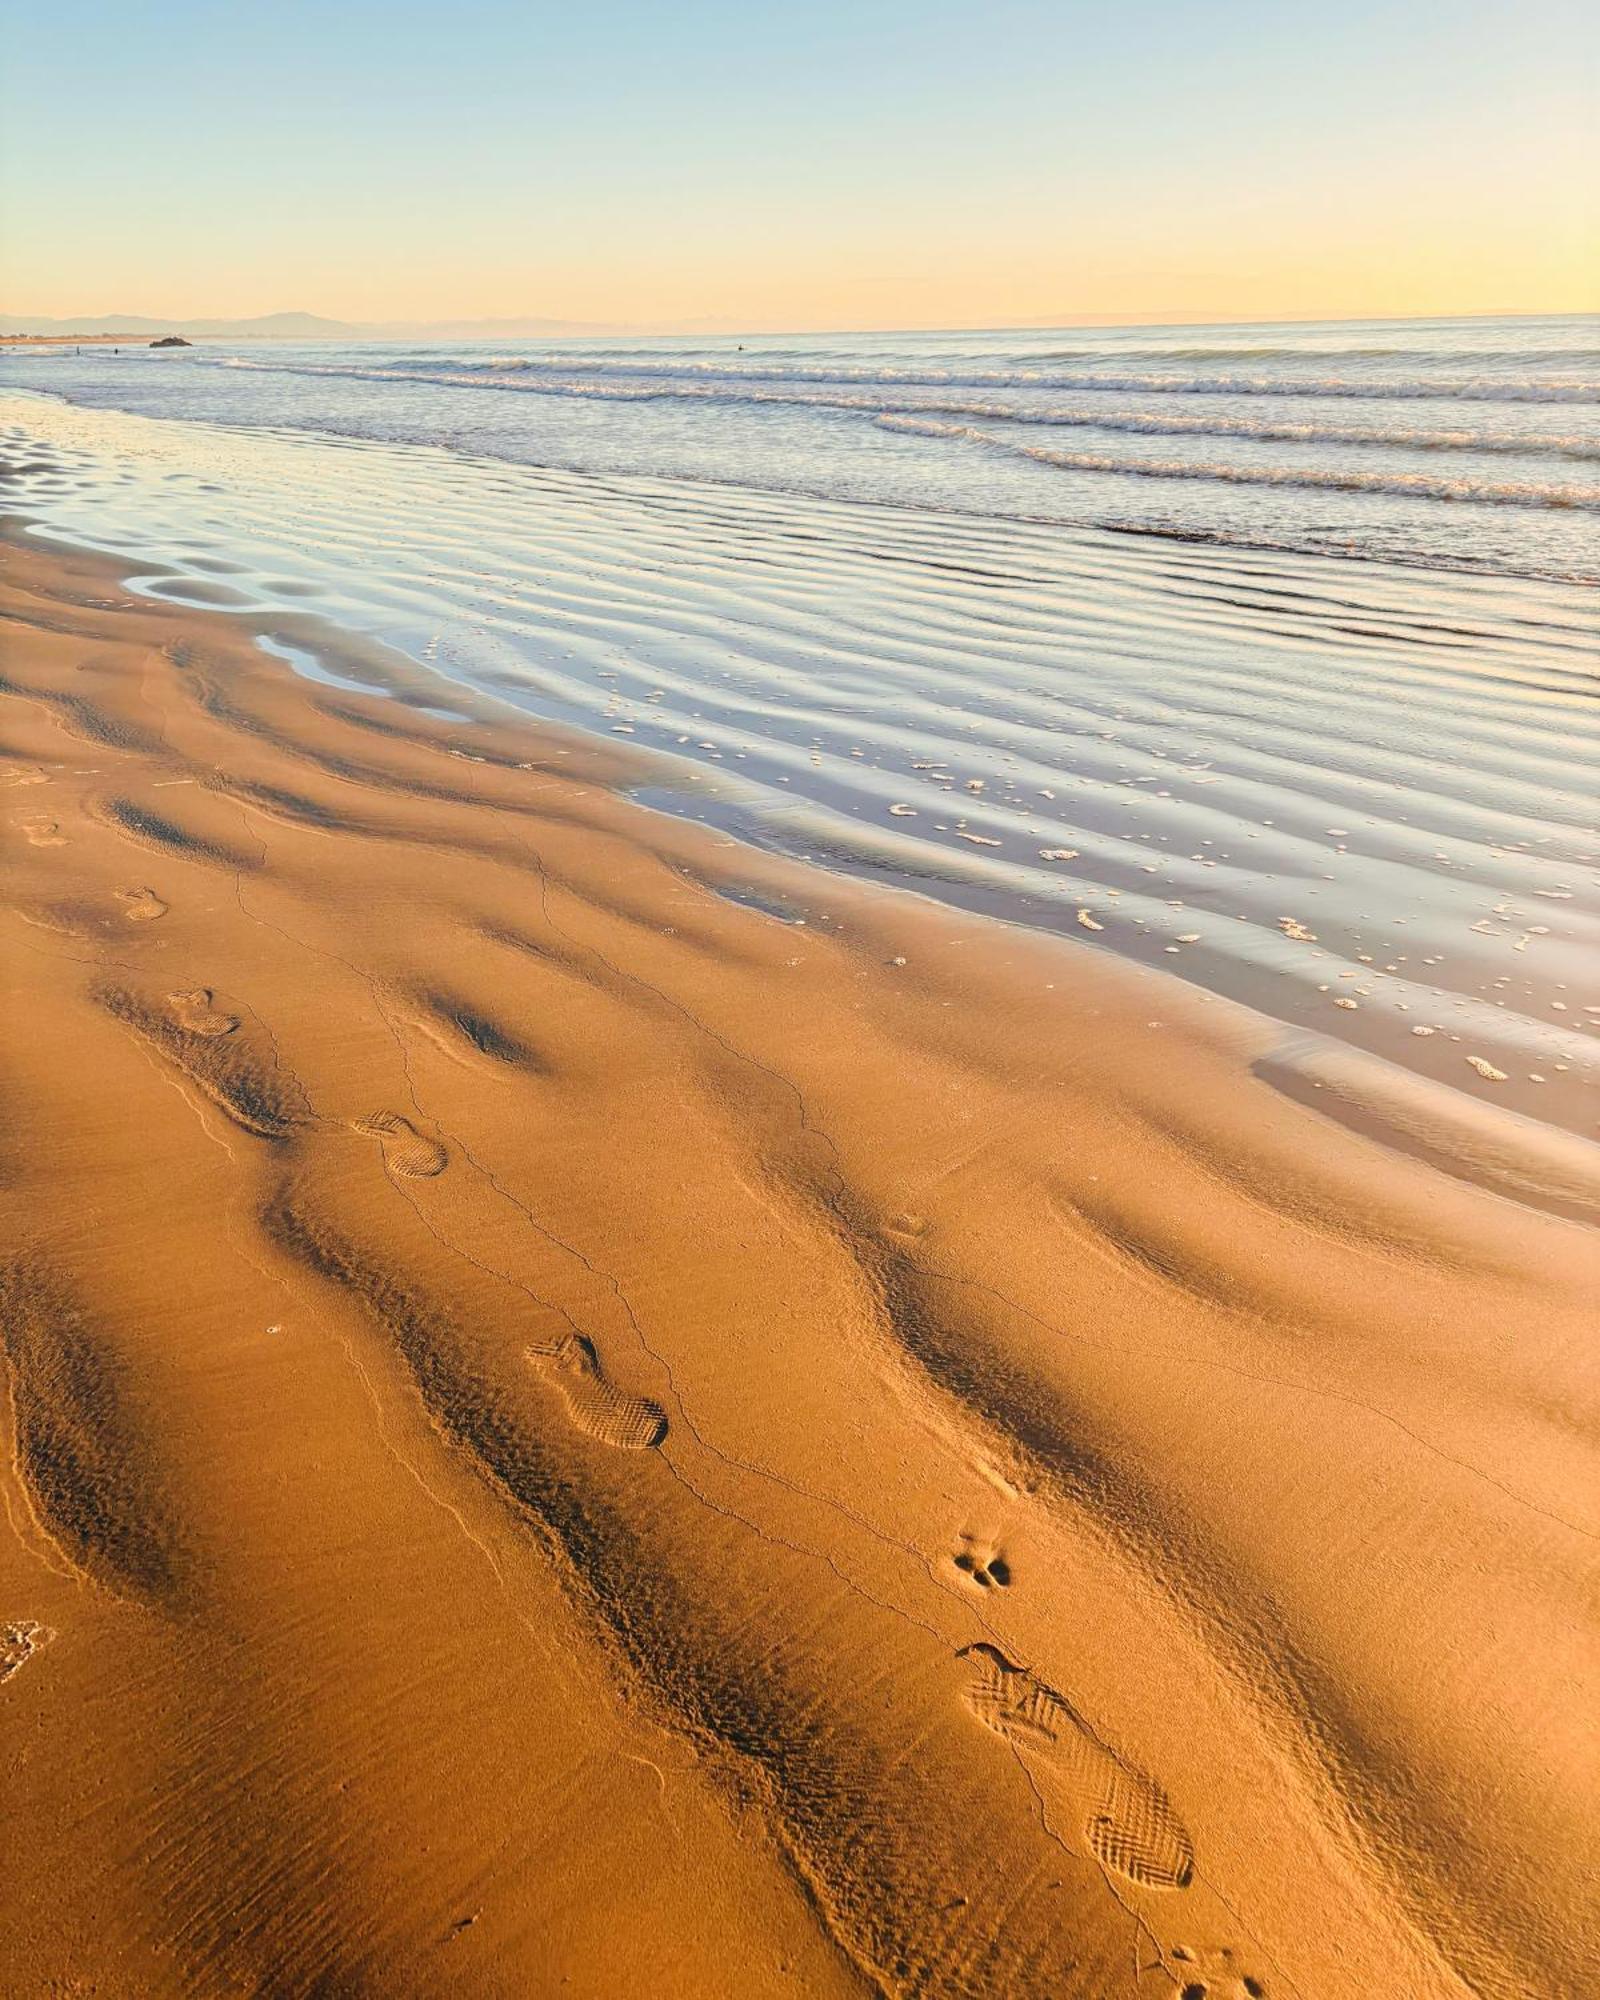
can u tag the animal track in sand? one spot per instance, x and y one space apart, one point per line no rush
982 1564
141 906
598 1406
405 1150
1214 1975
193 1010
19 1642
1124 1818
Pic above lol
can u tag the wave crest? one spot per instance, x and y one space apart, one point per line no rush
1339 479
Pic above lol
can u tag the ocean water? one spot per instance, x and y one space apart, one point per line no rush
1263 656
1465 443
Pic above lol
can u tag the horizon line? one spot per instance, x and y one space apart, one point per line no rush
725 325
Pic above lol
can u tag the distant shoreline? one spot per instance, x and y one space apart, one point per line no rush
85 339
313 326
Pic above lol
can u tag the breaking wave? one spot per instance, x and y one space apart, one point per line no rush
1468 444
1336 479
1271 430
643 375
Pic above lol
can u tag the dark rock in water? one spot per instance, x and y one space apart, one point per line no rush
171 340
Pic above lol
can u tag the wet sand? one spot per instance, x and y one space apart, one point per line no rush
591 1410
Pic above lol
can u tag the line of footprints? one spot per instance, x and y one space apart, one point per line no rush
594 1402
1123 1818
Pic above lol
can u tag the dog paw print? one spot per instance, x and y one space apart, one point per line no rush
982 1564
1214 1975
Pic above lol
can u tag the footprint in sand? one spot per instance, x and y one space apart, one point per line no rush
42 832
141 906
18 1644
193 1010
405 1150
983 1565
1124 1818
597 1405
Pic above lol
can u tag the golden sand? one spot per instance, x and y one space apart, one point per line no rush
566 1434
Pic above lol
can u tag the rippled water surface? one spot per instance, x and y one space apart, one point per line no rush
1471 443
1358 795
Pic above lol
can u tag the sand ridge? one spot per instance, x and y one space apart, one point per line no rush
565 1432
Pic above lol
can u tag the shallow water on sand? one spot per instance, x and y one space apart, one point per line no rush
1356 796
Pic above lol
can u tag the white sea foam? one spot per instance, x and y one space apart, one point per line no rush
1341 479
1466 444
712 377
518 375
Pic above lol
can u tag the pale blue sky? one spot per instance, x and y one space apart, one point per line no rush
812 164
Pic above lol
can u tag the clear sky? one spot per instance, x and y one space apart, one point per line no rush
812 163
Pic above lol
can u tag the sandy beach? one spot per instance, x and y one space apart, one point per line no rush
593 1411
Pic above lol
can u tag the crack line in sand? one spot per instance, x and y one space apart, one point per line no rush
551 1654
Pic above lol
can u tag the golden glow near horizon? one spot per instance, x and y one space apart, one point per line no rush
886 165
1265 280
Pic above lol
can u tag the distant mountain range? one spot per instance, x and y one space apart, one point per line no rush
308 326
